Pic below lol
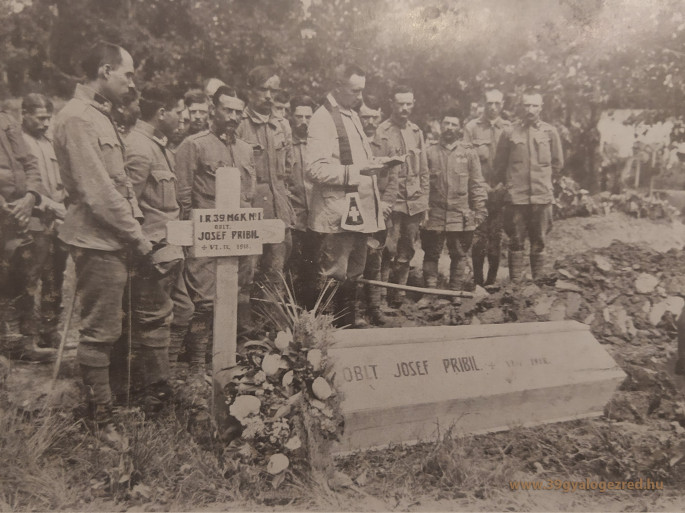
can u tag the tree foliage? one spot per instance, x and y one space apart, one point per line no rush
584 55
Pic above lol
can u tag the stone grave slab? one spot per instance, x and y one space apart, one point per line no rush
413 384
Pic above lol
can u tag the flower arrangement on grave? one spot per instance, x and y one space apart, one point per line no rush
283 396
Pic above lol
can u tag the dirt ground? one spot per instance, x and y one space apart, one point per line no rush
622 276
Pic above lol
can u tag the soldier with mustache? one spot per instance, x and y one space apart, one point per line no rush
197 159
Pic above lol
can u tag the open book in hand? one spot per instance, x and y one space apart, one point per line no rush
395 159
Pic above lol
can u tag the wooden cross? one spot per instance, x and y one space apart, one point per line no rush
225 233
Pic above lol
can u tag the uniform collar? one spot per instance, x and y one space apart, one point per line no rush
148 131
256 117
42 138
532 125
299 140
409 125
92 97
497 123
226 138
450 146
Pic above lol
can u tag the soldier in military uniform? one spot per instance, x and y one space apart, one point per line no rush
197 159
529 153
457 202
397 136
302 262
370 116
101 225
198 111
386 180
50 254
21 191
484 134
126 113
150 167
270 147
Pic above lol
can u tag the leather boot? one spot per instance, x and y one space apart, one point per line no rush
96 381
178 335
20 346
516 266
493 267
199 337
101 418
346 305
50 335
457 271
478 260
150 365
537 263
385 276
373 304
401 276
430 274
28 350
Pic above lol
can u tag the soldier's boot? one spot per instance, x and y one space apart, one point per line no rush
401 276
50 335
150 372
346 305
516 261
478 261
537 263
373 305
178 336
28 350
430 274
199 337
457 272
20 346
99 398
493 268
385 276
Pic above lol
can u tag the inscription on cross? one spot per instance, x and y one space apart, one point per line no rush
225 233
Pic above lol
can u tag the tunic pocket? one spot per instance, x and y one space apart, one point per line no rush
519 149
542 145
163 193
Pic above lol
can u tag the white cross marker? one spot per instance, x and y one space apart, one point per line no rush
225 232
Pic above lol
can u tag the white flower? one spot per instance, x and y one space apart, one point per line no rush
322 390
314 357
287 379
245 405
277 464
270 364
293 444
283 340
